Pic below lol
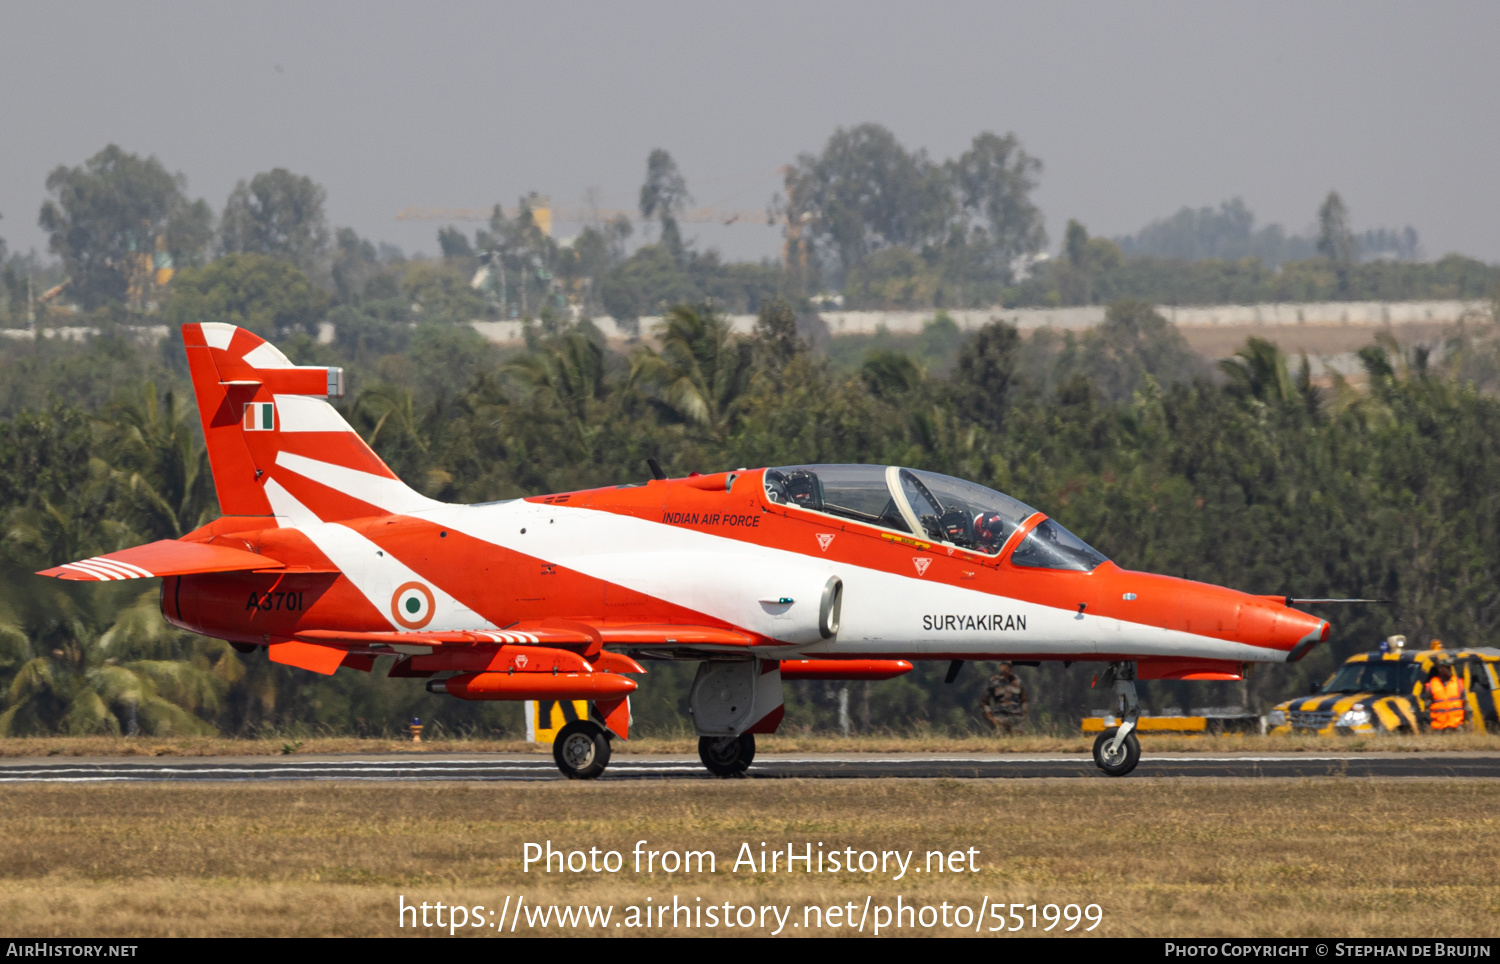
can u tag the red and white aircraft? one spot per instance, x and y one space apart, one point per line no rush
327 559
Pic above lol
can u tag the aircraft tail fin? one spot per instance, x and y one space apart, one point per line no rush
277 448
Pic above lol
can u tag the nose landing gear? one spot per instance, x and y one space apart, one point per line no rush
1117 750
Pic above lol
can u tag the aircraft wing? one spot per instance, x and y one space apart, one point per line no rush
459 637
481 650
168 557
546 632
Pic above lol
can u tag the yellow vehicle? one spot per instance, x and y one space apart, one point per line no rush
1384 693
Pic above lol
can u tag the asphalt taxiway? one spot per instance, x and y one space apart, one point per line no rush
531 767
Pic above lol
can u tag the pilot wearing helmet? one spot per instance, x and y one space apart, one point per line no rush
990 531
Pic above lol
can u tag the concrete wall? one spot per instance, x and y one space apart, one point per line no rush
1367 313
1373 313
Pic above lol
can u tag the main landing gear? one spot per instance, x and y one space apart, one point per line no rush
1116 750
581 750
727 756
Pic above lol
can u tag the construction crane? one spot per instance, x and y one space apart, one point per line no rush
708 215
793 253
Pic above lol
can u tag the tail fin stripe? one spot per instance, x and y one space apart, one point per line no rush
331 504
341 448
391 495
266 355
287 508
302 413
218 335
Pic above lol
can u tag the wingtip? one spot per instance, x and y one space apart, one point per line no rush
61 572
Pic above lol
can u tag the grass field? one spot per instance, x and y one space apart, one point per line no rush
109 746
1160 857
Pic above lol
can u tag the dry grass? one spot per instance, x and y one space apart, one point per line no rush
116 746
1162 857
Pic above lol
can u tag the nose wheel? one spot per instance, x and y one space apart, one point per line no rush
727 756
1117 750
1116 758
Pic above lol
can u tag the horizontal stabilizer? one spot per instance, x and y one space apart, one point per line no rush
168 557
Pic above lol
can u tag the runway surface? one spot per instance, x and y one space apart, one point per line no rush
529 767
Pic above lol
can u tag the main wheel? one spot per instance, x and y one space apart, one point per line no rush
727 756
581 750
1120 761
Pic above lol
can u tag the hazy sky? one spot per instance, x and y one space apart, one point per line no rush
1135 109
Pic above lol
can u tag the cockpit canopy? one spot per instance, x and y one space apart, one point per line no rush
932 506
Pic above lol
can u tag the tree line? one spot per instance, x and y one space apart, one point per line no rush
867 222
1246 474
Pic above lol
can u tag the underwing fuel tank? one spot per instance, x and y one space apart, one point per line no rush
534 686
844 669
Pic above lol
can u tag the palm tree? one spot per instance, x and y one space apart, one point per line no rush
701 371
138 675
570 371
160 463
1260 371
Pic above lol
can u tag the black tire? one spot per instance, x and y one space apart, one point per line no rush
581 750
1122 762
727 756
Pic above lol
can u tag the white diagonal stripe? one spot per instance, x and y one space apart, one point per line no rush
267 355
305 413
392 495
89 570
109 565
130 566
377 575
722 577
104 565
288 511
217 334
92 565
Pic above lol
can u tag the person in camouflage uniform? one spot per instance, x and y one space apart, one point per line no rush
1005 701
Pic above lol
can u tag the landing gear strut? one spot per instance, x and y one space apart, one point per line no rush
1116 750
727 756
581 750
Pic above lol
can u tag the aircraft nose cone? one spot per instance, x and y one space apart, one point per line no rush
1299 632
1282 628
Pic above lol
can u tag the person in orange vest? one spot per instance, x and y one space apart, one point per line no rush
1445 695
